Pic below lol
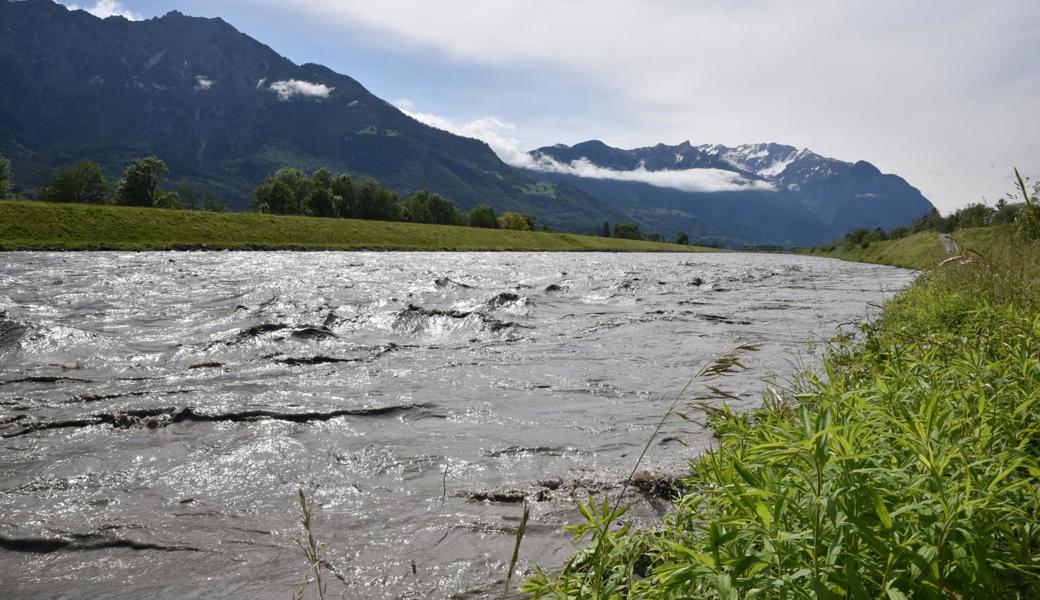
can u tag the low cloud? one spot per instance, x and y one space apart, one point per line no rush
497 134
108 8
201 83
294 87
686 180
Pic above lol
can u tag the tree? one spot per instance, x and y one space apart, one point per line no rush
878 235
483 216
141 181
165 199
343 190
287 192
190 197
627 231
444 211
682 238
376 203
416 209
321 201
425 207
856 236
606 229
6 177
210 203
514 221
83 183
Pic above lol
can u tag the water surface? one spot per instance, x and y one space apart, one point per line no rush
417 397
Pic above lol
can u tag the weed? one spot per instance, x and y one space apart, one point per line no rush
310 550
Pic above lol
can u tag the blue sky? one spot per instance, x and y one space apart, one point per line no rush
943 93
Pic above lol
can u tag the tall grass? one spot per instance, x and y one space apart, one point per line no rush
310 547
907 468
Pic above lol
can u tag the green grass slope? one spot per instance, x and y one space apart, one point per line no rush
908 468
37 225
922 250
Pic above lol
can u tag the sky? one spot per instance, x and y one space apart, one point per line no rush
943 93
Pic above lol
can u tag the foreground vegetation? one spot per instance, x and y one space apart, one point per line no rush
28 225
908 469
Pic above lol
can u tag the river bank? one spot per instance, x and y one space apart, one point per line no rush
922 250
907 466
28 225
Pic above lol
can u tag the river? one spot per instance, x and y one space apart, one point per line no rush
159 411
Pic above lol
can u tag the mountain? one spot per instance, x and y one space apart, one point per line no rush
748 194
224 111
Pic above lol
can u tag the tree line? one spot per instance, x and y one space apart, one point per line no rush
628 230
288 191
1007 211
140 185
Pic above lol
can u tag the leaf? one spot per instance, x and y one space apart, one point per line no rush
763 513
882 512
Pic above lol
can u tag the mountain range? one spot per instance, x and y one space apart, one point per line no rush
752 193
224 111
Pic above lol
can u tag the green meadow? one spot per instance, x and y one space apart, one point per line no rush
26 225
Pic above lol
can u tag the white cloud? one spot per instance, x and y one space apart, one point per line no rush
286 89
201 83
108 8
936 90
687 180
498 135
495 132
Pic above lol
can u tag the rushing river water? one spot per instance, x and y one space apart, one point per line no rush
159 411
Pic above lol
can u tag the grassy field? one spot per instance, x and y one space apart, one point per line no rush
37 225
908 467
921 250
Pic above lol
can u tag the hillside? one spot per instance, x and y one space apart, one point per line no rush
38 225
224 111
923 250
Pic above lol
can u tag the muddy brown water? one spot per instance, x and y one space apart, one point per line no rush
159 411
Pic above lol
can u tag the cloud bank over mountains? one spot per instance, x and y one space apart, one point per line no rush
498 135
108 8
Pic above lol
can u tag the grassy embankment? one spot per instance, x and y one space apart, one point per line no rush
38 225
922 250
908 468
